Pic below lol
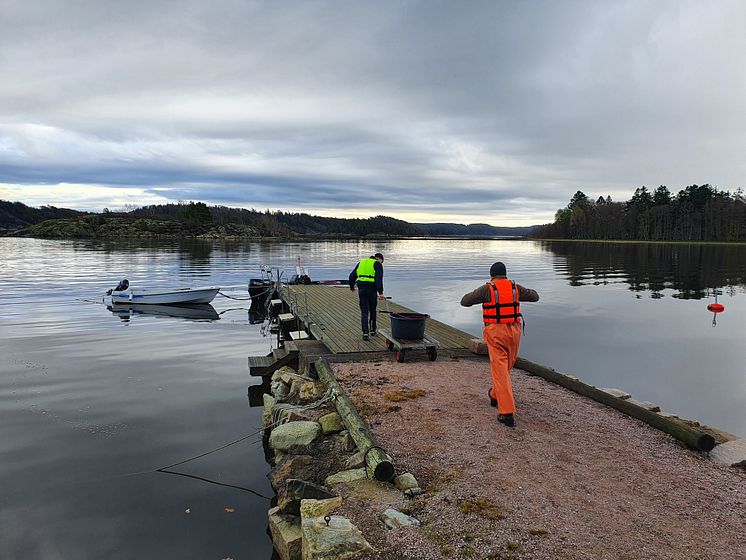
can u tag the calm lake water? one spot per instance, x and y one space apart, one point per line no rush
92 402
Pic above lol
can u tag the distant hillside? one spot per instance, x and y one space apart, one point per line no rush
197 219
280 223
16 215
477 230
112 226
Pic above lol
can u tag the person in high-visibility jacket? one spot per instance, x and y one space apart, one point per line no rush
368 274
501 314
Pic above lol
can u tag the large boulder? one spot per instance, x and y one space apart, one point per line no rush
394 519
295 490
408 484
279 389
294 436
287 536
269 403
326 536
284 370
345 476
308 391
331 423
292 466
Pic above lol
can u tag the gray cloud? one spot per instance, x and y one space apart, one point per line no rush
481 111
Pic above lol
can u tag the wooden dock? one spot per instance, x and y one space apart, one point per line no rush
331 314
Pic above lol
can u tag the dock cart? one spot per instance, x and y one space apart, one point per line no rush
401 345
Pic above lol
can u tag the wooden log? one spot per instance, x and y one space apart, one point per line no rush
377 463
694 438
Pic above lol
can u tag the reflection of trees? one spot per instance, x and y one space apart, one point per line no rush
197 252
690 269
123 245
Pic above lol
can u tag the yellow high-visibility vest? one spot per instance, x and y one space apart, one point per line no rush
366 271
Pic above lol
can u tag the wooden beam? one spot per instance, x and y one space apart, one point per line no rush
693 437
378 463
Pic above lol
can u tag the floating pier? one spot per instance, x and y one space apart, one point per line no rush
331 314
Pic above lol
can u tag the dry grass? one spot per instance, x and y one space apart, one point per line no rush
483 507
399 395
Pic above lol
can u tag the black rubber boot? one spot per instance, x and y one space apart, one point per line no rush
493 400
506 419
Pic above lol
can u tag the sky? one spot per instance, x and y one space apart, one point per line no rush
429 111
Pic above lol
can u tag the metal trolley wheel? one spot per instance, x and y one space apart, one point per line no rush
400 356
432 353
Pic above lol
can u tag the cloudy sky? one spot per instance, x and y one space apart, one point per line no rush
494 111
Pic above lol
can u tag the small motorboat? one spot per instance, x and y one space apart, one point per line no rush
123 293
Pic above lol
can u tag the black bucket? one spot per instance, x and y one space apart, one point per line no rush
409 326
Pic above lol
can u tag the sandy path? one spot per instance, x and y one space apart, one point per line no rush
574 479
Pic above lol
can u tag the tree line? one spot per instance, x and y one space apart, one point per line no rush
278 223
17 214
695 213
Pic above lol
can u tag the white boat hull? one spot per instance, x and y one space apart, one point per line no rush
166 297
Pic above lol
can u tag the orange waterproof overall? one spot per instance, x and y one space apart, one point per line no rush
502 333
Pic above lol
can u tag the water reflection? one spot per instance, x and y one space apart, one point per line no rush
194 312
195 253
692 270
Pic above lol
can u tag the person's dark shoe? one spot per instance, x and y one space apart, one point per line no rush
506 419
493 400
365 336
373 333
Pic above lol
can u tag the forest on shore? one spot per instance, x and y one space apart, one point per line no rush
695 213
197 219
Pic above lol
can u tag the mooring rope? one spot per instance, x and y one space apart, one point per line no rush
236 298
259 494
326 397
280 407
87 300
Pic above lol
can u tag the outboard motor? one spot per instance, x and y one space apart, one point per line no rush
122 286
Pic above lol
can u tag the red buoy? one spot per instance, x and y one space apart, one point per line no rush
716 307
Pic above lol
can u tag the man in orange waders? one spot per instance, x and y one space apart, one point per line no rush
501 314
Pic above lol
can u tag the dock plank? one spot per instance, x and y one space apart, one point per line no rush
332 315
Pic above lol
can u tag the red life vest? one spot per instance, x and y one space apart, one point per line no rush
504 305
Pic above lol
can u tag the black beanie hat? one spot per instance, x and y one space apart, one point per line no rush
378 256
498 269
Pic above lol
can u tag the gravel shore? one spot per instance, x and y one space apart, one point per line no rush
573 480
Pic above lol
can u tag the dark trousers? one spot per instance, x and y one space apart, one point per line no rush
368 301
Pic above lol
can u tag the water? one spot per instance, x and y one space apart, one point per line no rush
88 397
